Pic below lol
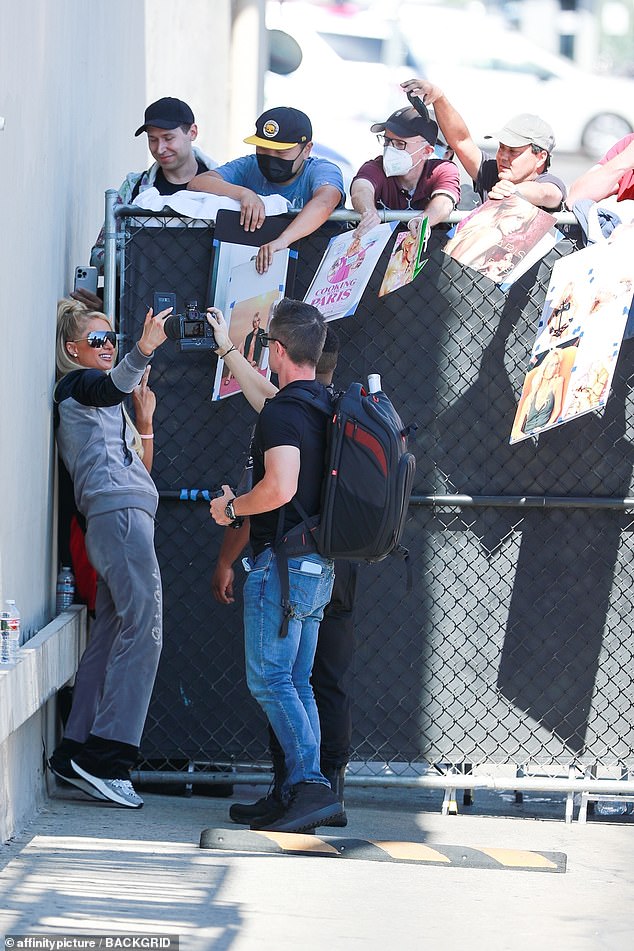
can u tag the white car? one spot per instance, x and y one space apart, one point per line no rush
352 64
350 68
499 73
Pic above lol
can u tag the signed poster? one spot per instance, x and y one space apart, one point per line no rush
503 238
578 337
345 270
406 260
250 301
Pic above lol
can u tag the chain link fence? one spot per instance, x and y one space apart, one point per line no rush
514 645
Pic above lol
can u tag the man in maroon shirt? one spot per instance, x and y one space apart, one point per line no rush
406 176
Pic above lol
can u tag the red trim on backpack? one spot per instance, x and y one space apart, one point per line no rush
369 442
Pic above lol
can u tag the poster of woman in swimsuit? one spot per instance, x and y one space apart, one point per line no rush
578 337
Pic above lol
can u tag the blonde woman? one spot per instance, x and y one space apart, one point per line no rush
118 499
497 224
544 400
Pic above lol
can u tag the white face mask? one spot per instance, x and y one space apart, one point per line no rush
398 162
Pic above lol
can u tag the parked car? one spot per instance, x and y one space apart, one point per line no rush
352 64
495 73
347 75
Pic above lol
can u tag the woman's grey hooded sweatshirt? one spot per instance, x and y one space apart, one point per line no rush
91 435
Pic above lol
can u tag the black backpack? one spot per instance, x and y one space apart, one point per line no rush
367 483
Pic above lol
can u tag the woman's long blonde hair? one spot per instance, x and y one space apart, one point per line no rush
73 318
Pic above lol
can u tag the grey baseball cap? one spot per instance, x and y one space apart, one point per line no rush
526 129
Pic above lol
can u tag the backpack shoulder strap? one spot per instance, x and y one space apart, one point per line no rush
320 399
301 539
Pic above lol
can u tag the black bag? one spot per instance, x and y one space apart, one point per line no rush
368 478
367 484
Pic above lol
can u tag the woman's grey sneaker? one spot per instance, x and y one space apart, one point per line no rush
120 791
67 774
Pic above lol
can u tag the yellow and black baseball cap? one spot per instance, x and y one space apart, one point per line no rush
281 128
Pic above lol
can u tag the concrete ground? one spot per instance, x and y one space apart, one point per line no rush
85 868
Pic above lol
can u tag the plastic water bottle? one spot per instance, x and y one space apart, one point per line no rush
65 589
374 383
9 633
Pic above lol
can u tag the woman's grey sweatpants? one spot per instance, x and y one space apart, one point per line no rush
116 673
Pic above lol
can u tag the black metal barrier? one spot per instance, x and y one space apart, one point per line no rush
515 643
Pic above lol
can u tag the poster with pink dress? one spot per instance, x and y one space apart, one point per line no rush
345 270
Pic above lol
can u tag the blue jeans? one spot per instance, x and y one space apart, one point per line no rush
278 668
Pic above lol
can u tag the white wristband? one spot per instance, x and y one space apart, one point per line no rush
146 435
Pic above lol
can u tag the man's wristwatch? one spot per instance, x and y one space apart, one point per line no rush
229 510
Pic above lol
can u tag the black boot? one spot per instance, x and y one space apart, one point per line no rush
270 805
310 805
336 777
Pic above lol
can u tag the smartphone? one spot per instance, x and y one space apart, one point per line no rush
86 279
163 300
418 105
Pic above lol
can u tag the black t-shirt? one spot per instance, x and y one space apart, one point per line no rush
488 176
285 421
169 188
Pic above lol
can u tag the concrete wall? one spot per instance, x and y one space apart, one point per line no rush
75 77
72 83
28 715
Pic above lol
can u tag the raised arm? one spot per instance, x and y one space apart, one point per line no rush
255 387
451 123
144 401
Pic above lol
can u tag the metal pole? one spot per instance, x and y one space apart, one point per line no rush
110 256
523 501
449 780
339 214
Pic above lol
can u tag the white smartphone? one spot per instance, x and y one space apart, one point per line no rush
310 568
86 279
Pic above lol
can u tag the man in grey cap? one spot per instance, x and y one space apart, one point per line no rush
171 132
520 165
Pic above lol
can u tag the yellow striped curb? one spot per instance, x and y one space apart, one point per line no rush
414 853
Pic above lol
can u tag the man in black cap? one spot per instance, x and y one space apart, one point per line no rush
282 165
407 175
171 132
520 164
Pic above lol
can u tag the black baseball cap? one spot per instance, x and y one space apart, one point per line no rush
281 128
167 113
407 123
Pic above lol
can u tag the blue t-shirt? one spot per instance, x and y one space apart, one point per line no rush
315 173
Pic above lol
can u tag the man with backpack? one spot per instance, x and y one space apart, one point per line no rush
335 643
284 596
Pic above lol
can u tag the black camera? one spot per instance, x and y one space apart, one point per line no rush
191 329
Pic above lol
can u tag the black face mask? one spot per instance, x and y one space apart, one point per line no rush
276 170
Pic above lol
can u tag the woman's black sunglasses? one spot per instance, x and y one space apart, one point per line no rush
99 338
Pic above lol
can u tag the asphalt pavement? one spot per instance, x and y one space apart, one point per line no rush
497 876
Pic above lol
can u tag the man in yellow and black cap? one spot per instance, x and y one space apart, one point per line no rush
282 165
